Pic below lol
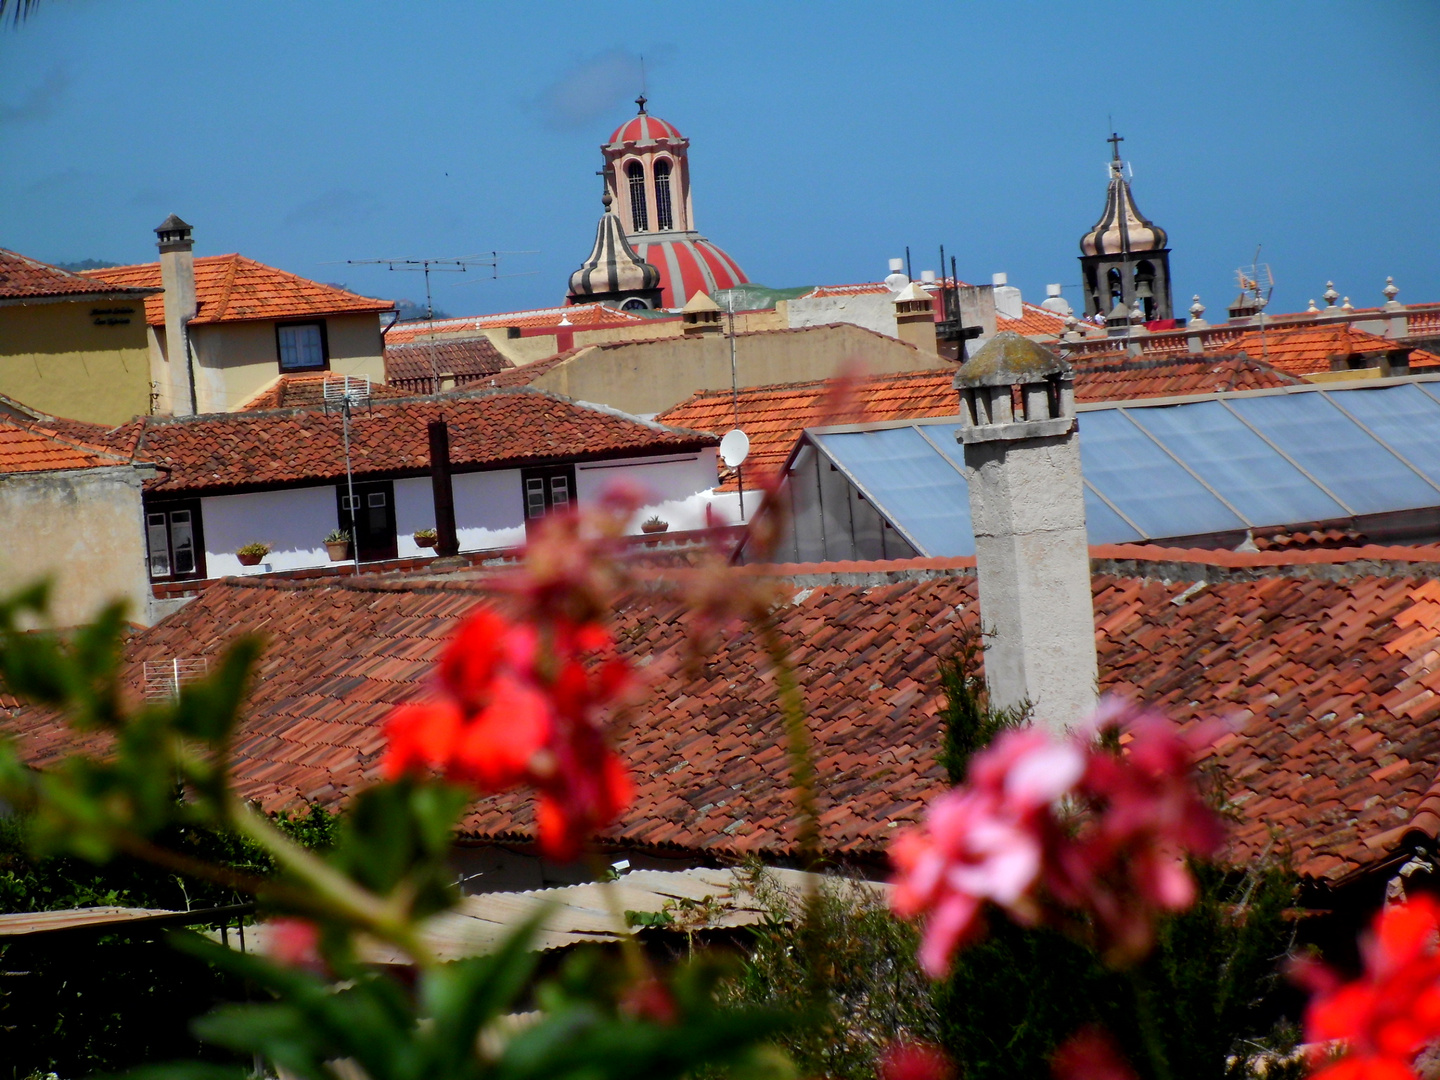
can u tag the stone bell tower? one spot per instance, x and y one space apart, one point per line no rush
1123 258
1027 507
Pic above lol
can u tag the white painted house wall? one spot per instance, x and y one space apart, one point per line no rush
292 521
874 311
676 487
489 511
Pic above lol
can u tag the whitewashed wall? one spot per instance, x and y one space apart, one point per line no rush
293 522
677 486
489 509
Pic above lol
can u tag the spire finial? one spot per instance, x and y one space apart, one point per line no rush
1115 140
641 100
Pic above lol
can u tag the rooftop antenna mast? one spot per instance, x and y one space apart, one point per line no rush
342 395
1258 283
461 265
735 397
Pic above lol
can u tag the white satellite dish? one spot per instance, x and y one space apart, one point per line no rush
734 447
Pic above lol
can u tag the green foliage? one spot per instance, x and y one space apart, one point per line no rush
152 785
1207 992
970 723
870 989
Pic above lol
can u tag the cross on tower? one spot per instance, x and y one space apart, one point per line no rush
1115 140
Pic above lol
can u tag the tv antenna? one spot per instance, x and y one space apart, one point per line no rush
1257 282
460 265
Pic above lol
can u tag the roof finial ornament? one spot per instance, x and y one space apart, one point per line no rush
1115 140
641 100
1312 307
1391 290
1197 309
1330 295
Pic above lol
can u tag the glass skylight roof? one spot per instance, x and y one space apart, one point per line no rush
1167 472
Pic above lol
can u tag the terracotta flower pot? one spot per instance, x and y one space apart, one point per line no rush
249 558
654 526
339 550
426 541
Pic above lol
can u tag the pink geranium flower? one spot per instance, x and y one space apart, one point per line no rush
1047 824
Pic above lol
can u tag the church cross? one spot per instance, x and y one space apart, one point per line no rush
1115 140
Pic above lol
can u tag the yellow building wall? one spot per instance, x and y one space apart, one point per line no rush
651 377
235 361
83 529
55 358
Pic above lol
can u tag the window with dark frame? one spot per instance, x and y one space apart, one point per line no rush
639 217
547 490
302 346
664 216
174 544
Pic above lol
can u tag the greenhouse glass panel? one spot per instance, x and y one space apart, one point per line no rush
1237 463
1337 452
909 483
1144 483
1404 416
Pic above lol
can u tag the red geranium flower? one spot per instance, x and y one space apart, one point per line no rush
1392 1011
523 705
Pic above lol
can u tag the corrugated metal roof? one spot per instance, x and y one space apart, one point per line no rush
24 924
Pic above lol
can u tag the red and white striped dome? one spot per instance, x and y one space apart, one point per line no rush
644 129
688 263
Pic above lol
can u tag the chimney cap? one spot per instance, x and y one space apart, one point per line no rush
173 223
1010 359
174 234
700 302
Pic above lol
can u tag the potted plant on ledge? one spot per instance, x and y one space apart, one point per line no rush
655 524
426 538
337 543
252 553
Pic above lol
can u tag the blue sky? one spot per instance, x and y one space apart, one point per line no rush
824 137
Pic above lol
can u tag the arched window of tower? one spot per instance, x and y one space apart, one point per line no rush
639 219
664 216
1145 287
1117 287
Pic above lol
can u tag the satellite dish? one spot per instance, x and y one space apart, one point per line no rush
734 447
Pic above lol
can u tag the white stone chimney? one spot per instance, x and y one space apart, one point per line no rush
177 276
1008 304
1027 507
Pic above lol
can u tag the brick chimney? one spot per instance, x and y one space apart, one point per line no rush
1027 507
177 276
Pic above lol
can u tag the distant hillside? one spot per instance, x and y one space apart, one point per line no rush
86 264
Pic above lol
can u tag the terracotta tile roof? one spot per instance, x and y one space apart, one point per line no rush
1309 349
1333 682
488 428
464 360
864 288
774 416
1118 377
22 276
32 447
299 391
232 288
586 315
1034 321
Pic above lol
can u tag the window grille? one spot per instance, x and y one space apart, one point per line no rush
664 216
638 215
163 678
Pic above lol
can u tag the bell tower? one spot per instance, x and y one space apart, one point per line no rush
1124 258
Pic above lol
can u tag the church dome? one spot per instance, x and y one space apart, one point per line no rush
644 128
1121 228
688 263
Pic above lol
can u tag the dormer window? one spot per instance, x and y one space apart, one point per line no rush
638 217
302 346
665 217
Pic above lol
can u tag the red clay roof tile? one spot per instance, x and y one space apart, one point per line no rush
232 288
416 364
22 276
1336 751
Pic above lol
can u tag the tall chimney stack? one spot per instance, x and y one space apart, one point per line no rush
177 276
915 318
1027 506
